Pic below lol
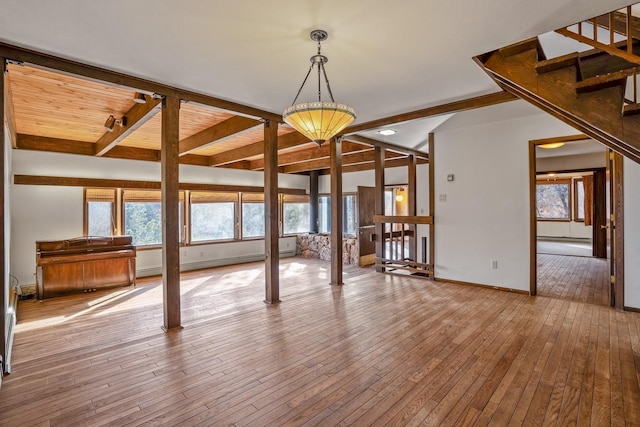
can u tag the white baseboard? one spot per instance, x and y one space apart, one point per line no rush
199 265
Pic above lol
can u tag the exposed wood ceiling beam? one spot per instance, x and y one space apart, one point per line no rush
257 148
388 163
9 114
124 80
139 185
137 115
347 159
41 143
452 107
386 146
312 153
216 133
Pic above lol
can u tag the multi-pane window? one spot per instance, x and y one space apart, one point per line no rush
213 216
252 215
553 200
295 214
349 214
324 214
100 211
143 216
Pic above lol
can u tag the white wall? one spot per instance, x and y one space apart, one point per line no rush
485 216
563 163
392 176
53 213
631 234
570 229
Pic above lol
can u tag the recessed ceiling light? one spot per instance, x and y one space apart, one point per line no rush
552 145
387 132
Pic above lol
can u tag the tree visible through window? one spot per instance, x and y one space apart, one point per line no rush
553 200
252 215
295 214
213 216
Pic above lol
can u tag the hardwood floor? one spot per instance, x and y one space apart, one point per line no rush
380 350
584 279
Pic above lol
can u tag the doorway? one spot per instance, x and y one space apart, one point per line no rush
570 192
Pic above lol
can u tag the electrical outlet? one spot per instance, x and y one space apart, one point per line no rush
443 198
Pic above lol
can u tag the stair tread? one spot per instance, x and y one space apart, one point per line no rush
603 81
631 109
547 65
523 46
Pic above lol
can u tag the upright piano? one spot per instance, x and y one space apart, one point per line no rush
84 264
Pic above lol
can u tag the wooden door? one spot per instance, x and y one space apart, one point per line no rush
366 227
616 230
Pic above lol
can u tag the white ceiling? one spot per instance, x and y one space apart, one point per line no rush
385 57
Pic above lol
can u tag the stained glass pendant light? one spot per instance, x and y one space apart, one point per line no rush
318 121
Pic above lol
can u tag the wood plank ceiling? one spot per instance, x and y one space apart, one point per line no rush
64 113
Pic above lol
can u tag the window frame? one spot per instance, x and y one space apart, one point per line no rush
236 216
562 181
281 210
114 209
576 209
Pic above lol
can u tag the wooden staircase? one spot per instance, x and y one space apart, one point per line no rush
585 90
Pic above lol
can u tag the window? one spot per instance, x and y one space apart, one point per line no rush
100 211
296 214
552 200
213 216
324 214
252 215
143 216
578 207
349 214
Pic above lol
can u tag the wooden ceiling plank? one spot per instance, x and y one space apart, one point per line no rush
135 117
284 141
140 185
124 80
216 133
386 146
438 110
309 154
9 111
347 159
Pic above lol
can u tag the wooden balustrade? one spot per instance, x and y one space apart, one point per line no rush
395 239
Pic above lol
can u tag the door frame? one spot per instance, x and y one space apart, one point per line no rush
616 188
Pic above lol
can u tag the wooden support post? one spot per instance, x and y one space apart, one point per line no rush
432 205
4 286
313 201
170 212
271 234
379 205
412 171
336 210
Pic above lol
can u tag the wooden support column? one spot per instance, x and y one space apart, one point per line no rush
413 163
4 286
432 205
271 234
379 204
336 210
169 188
313 201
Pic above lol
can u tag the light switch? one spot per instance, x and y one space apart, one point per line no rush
443 197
